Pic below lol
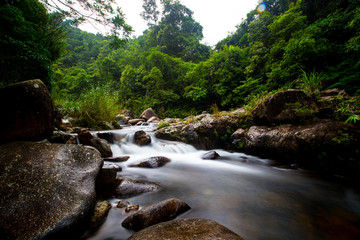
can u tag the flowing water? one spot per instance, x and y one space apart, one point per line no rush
253 197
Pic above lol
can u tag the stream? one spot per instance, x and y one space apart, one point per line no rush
256 198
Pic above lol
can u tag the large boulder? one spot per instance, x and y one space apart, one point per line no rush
204 131
186 229
148 113
156 213
285 107
47 190
26 112
324 145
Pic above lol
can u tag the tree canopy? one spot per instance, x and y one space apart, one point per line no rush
169 69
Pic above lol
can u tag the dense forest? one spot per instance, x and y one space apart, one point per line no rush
307 44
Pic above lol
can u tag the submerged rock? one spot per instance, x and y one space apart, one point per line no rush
153 162
156 213
26 112
210 155
130 187
47 190
186 229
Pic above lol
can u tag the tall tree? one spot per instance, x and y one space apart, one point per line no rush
30 41
103 12
150 13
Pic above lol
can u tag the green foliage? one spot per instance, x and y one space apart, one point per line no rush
30 41
311 82
168 69
342 137
163 124
96 106
349 109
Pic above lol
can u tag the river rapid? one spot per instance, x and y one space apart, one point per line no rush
256 198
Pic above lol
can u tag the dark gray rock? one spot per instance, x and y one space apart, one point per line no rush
156 213
102 145
131 187
141 138
117 159
26 112
108 136
210 155
106 180
153 162
186 229
47 190
85 137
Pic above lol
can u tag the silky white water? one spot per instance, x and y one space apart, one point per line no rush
255 198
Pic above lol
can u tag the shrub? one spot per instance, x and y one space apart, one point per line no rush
97 106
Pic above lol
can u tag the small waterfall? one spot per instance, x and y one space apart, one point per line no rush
242 192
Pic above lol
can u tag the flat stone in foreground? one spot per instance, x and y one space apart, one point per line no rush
186 229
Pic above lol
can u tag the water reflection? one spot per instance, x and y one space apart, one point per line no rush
246 194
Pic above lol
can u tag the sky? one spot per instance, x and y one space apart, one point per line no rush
218 18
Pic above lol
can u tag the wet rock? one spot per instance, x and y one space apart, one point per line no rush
130 187
72 140
132 208
122 204
308 145
135 121
156 213
101 211
106 180
210 155
117 159
26 112
47 190
141 138
102 145
284 107
85 137
148 113
186 229
153 162
108 136
59 137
